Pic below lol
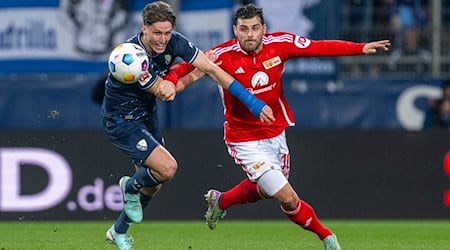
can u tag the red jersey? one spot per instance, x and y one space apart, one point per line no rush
260 73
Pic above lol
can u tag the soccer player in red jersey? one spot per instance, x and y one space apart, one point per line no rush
256 59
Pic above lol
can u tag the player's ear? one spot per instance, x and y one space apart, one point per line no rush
264 28
235 30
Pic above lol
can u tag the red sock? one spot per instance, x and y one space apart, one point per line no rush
244 192
305 217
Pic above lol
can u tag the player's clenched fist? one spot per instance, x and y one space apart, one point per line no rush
166 91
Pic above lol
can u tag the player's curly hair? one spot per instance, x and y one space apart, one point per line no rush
158 12
249 11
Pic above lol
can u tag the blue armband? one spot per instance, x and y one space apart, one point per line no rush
253 104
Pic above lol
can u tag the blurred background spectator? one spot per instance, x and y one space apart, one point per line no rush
361 16
408 22
438 113
414 26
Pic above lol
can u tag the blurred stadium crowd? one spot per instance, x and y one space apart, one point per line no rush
419 30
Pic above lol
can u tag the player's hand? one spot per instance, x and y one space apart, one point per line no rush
166 91
372 47
266 115
212 56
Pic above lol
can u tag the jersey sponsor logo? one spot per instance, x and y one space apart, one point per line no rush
141 145
260 79
272 62
240 70
265 89
302 42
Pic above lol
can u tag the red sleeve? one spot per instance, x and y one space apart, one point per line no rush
304 47
177 71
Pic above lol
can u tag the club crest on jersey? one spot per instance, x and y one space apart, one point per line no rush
302 42
167 59
260 79
142 145
272 62
258 165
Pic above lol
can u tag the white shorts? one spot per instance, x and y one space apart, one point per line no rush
258 157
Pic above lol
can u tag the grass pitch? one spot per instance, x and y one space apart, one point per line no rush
231 234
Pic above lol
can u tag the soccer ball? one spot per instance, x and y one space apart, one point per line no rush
128 62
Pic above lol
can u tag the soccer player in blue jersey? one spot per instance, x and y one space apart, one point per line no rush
130 119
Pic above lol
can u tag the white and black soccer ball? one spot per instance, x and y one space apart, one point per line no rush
128 62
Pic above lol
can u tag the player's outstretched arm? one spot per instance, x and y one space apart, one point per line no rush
372 47
184 74
255 105
188 79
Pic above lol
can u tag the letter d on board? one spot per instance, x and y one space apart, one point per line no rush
58 186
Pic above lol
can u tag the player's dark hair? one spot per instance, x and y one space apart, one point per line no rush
248 11
158 12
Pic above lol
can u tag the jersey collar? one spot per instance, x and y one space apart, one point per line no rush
239 47
243 51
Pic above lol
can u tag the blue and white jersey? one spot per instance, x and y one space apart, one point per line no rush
132 101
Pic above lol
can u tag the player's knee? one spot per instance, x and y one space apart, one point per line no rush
289 202
168 171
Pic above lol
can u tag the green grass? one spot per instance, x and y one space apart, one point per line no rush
231 234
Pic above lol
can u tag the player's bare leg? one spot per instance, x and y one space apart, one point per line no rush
138 191
159 167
